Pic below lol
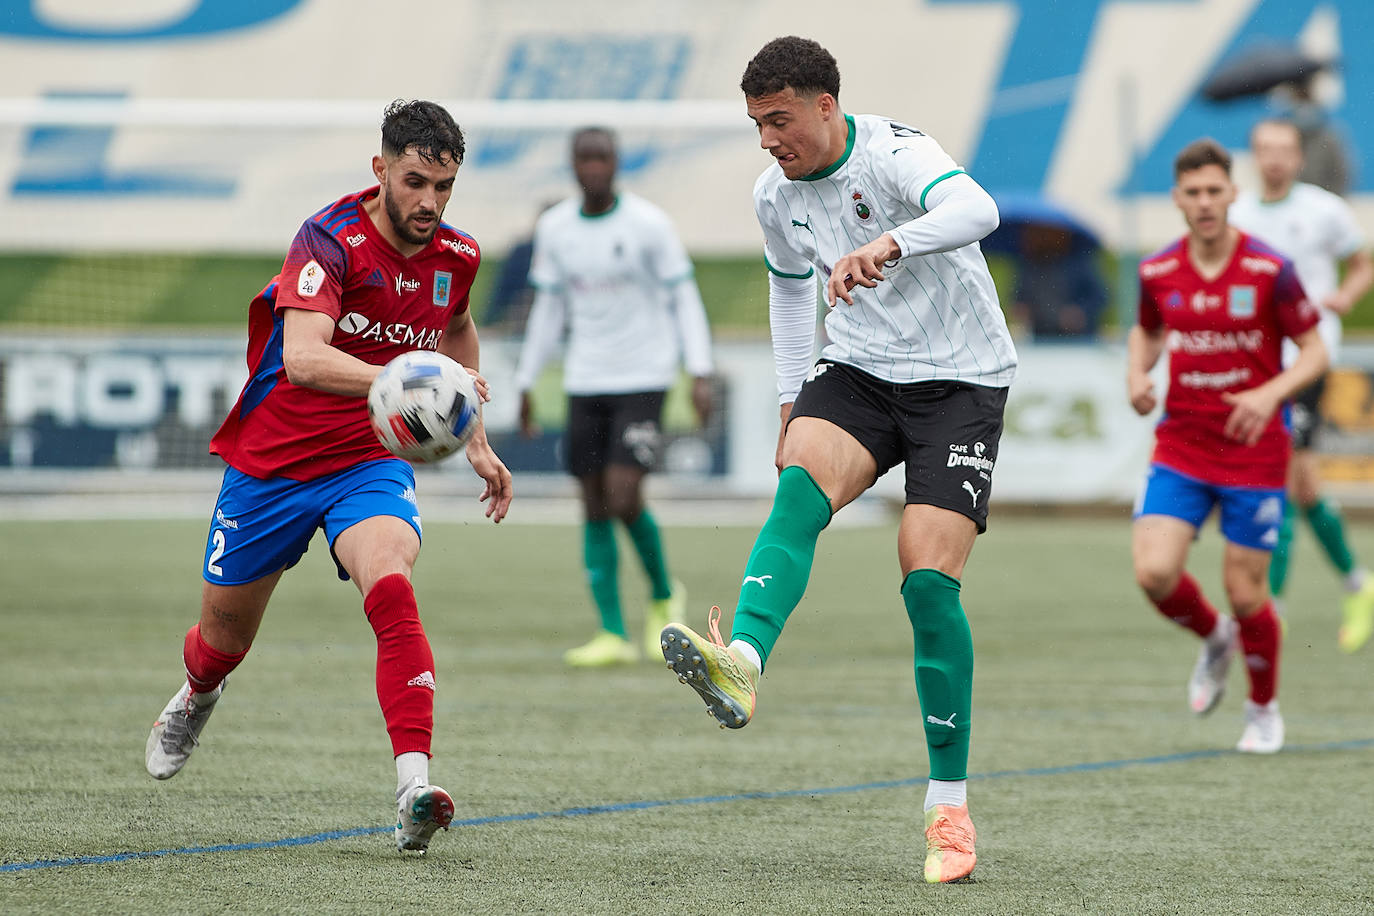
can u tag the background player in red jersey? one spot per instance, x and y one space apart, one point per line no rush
1222 302
373 275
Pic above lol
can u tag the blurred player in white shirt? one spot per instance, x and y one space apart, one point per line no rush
608 267
1317 231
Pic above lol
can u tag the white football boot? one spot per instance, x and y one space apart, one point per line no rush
177 730
1208 682
420 811
1263 729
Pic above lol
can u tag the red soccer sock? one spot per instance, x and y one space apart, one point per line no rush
206 666
1260 640
405 664
1188 607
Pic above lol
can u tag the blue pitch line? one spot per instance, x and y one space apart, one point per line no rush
586 810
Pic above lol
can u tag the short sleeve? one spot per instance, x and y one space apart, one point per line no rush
544 272
1346 235
313 274
667 254
1295 313
1148 313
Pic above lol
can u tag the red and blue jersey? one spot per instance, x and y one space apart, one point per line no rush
1223 335
383 304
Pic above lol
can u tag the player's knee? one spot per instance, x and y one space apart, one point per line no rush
1158 581
1245 595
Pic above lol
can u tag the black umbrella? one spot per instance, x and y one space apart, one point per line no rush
1259 69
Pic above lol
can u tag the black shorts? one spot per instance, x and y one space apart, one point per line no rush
606 429
945 432
1305 414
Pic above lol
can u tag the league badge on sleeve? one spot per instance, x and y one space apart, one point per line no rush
443 282
311 279
1240 302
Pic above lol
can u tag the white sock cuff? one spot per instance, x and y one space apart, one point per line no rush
946 792
746 651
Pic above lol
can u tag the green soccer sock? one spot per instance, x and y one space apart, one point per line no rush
600 558
944 668
644 534
1329 528
780 564
1278 559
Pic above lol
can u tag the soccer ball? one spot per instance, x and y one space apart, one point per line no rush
423 406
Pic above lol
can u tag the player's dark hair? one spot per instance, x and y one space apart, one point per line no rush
791 62
593 131
424 127
1200 153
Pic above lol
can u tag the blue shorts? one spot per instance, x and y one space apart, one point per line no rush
1250 516
261 526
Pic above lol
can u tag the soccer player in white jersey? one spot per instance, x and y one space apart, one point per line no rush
915 373
608 265
1318 232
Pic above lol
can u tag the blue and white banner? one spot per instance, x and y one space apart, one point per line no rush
275 104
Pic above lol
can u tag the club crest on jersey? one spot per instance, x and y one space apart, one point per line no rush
861 209
443 281
311 279
1240 302
1174 300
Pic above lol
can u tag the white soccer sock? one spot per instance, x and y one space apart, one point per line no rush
411 767
746 651
946 792
1354 580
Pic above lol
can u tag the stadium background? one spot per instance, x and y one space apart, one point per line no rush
156 157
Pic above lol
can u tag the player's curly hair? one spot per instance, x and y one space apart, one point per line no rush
1200 153
791 62
423 126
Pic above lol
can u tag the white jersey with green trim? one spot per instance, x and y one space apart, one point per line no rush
622 284
1314 229
936 316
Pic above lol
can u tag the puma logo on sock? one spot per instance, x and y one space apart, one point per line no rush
758 579
948 722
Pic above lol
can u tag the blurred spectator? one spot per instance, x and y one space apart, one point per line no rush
1059 290
1325 154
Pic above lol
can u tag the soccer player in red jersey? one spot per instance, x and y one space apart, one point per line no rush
1221 303
370 277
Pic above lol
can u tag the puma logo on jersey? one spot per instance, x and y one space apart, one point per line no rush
946 722
806 225
758 579
972 492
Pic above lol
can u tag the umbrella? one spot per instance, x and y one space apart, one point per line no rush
1257 70
1019 210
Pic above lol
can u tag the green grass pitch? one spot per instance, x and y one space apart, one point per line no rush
1073 670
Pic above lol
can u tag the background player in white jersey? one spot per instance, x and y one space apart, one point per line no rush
608 265
916 373
1317 231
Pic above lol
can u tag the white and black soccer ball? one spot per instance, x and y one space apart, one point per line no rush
423 406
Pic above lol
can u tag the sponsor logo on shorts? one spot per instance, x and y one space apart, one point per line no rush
972 492
959 456
408 494
226 522
1269 511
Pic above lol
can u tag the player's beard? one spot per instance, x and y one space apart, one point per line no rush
398 222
